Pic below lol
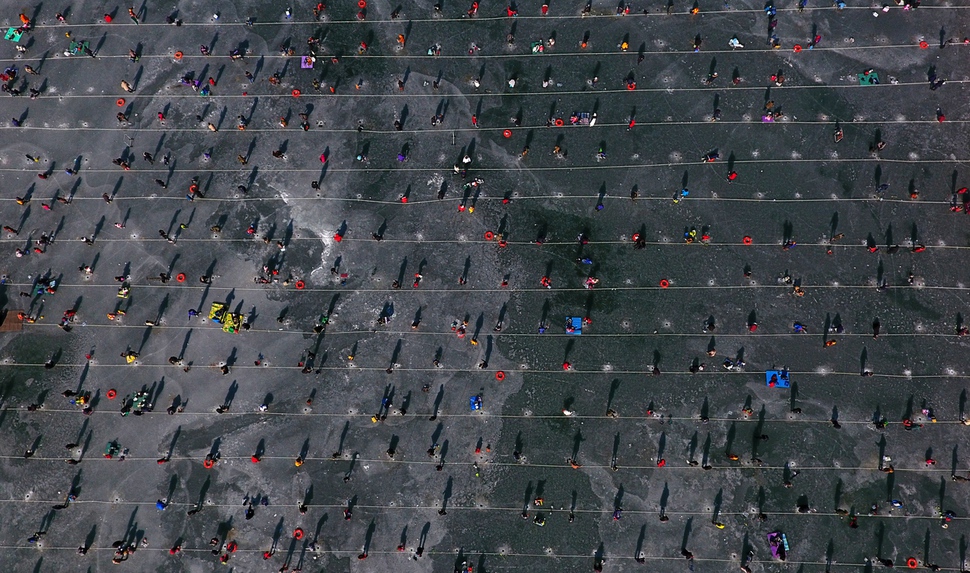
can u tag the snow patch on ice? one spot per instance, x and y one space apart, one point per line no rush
437 179
328 243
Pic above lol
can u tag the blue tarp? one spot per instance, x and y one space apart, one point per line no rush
574 325
475 402
777 379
